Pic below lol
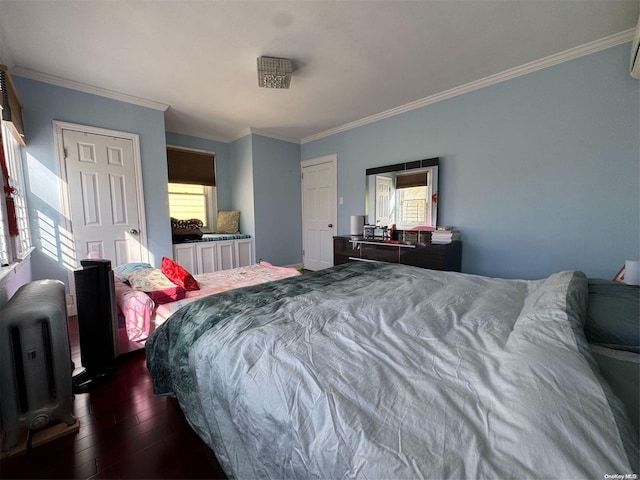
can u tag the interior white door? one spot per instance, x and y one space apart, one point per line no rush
319 211
102 184
383 200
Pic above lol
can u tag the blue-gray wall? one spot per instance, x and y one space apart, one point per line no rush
265 181
278 200
241 182
43 103
541 173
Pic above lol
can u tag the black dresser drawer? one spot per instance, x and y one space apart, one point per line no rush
436 257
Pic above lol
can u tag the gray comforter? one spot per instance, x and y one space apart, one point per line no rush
386 371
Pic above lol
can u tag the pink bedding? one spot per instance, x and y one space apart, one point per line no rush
142 315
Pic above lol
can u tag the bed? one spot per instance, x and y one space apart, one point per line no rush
374 370
140 314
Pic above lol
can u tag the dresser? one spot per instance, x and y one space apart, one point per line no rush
436 257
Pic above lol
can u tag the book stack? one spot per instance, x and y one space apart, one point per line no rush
445 235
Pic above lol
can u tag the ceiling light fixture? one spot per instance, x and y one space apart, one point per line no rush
274 72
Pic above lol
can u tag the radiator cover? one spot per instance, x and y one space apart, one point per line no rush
35 361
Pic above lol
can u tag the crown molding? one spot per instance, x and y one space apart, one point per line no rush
571 54
83 87
240 134
263 133
204 136
256 131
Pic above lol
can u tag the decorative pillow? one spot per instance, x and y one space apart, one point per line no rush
613 315
192 223
121 271
148 280
228 222
178 275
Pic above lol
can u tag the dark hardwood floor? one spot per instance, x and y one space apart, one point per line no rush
125 432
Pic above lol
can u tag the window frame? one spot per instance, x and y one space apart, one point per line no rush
400 201
14 249
210 205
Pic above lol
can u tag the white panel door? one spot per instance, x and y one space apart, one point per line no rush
103 197
319 212
383 201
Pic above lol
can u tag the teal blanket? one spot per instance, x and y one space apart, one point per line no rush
389 371
168 347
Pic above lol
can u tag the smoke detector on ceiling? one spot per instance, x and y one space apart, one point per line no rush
274 72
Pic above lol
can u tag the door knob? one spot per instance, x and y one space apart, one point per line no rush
330 225
134 231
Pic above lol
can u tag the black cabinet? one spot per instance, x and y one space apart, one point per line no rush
433 256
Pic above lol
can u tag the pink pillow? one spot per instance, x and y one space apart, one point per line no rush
178 275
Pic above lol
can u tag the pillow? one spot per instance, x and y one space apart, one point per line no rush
121 271
613 315
125 296
228 222
148 280
156 285
178 275
192 223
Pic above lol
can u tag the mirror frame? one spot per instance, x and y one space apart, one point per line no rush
426 164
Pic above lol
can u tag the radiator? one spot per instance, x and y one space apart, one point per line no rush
35 361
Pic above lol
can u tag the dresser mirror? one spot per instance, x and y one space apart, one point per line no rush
404 194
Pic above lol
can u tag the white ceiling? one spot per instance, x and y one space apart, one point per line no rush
353 59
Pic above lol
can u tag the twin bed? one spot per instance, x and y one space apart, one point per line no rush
376 370
139 314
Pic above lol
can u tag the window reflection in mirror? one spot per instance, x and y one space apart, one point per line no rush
406 197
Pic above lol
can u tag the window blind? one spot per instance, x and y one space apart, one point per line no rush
411 180
11 106
187 166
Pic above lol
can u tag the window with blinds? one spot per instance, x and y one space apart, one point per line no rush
188 201
413 199
190 166
192 182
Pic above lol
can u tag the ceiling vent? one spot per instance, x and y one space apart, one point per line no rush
274 72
